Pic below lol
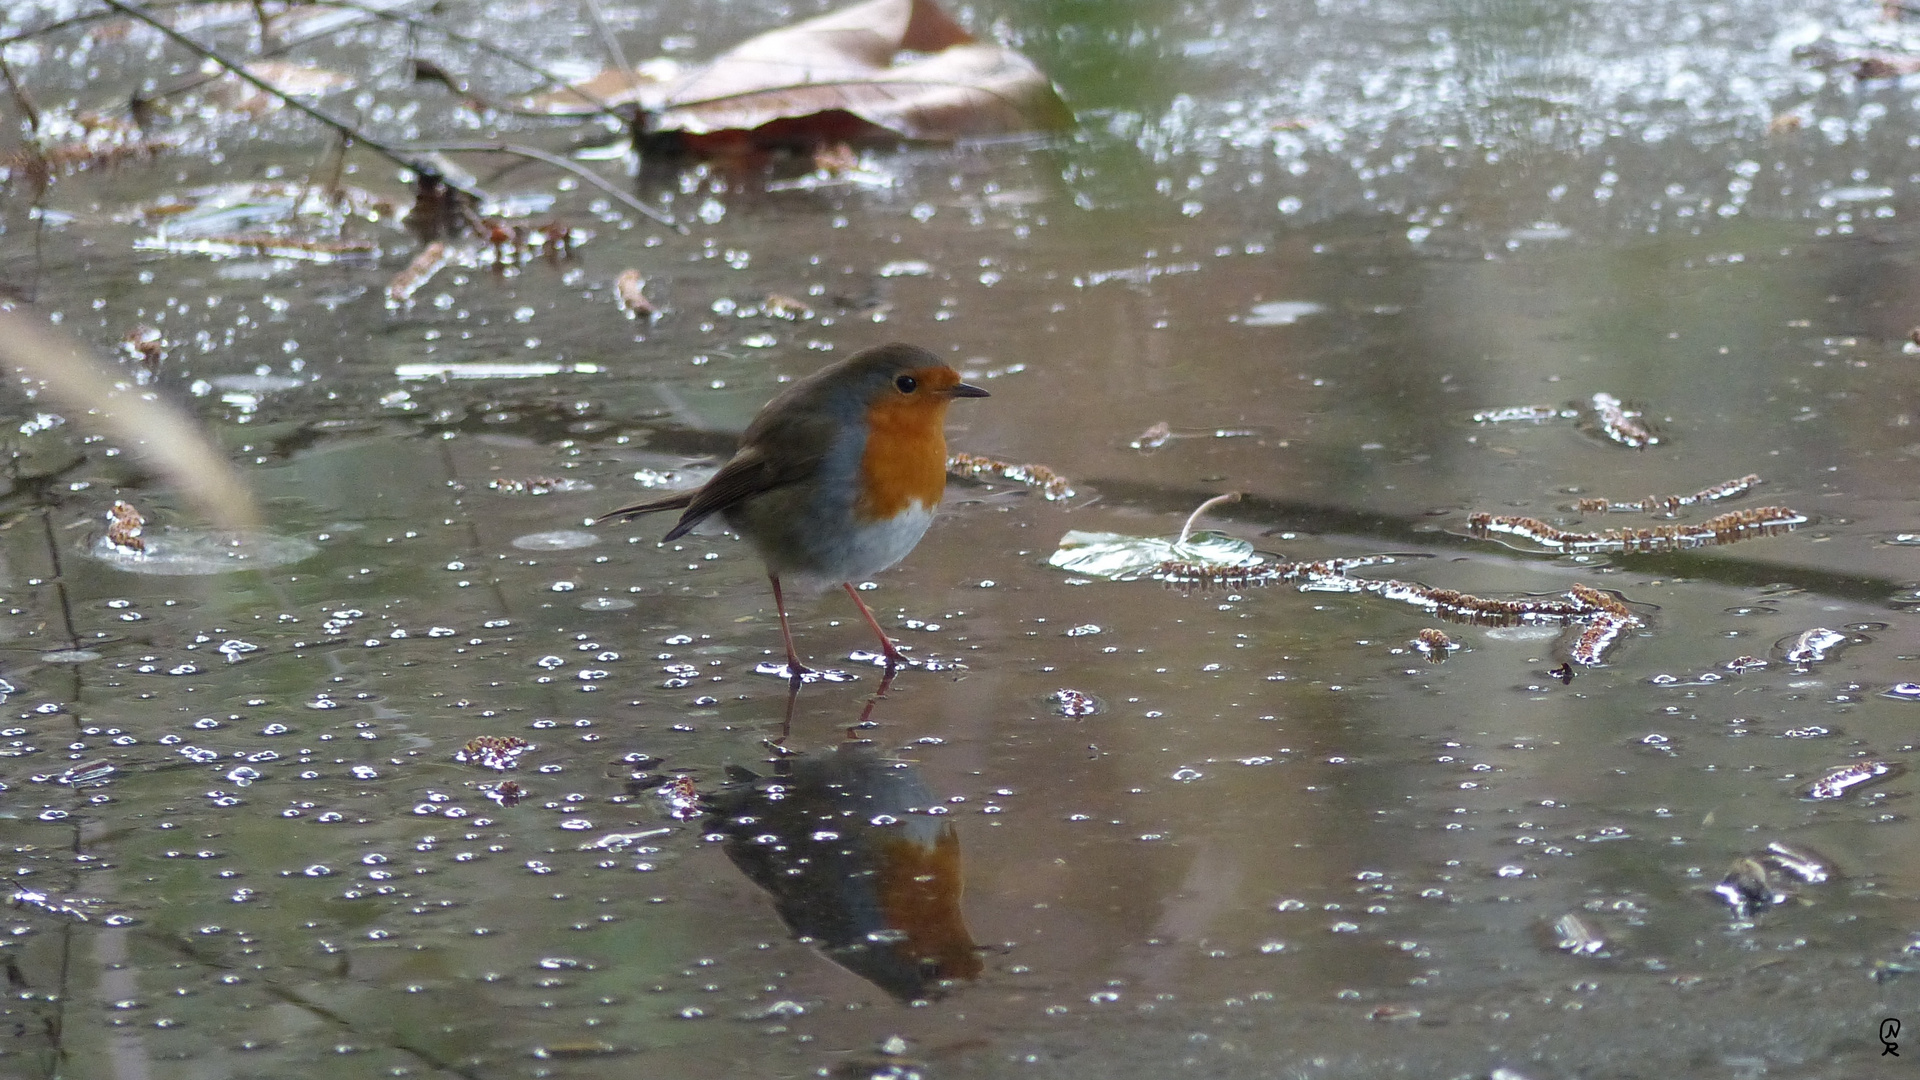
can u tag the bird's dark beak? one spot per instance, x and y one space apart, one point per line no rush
967 390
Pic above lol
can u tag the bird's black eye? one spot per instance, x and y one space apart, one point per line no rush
906 384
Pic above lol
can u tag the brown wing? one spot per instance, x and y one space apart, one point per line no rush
671 502
785 443
747 474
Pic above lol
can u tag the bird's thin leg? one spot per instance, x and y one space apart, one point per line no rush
786 725
794 667
894 657
866 714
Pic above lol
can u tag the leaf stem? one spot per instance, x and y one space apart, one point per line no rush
1187 529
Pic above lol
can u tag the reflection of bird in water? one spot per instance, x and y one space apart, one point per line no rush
855 865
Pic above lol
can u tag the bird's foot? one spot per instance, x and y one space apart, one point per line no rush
892 660
802 673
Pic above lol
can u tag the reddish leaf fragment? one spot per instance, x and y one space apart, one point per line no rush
682 798
144 344
1434 644
1051 485
498 752
627 292
124 525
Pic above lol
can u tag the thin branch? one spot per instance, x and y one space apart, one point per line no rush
554 160
240 72
81 20
415 22
547 78
20 97
612 44
392 153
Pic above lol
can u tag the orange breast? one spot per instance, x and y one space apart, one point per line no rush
920 895
906 456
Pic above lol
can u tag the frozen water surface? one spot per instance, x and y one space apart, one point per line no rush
1101 826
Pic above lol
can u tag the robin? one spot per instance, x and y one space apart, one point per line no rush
837 478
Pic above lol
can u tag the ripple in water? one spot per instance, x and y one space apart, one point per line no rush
607 603
188 552
1280 313
558 540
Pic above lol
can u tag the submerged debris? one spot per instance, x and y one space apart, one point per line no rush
1199 574
1836 783
508 245
499 752
1621 424
1573 933
1536 414
1600 634
145 345
1614 420
538 485
68 145
1154 437
86 774
229 245
1074 703
889 1061
1603 615
782 306
1209 560
1752 884
1814 646
1052 486
77 908
1748 888
1668 504
1723 529
305 221
444 203
1804 863
681 797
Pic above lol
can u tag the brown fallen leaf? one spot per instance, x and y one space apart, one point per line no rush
613 87
835 79
146 345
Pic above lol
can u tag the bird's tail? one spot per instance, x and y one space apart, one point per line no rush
671 502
